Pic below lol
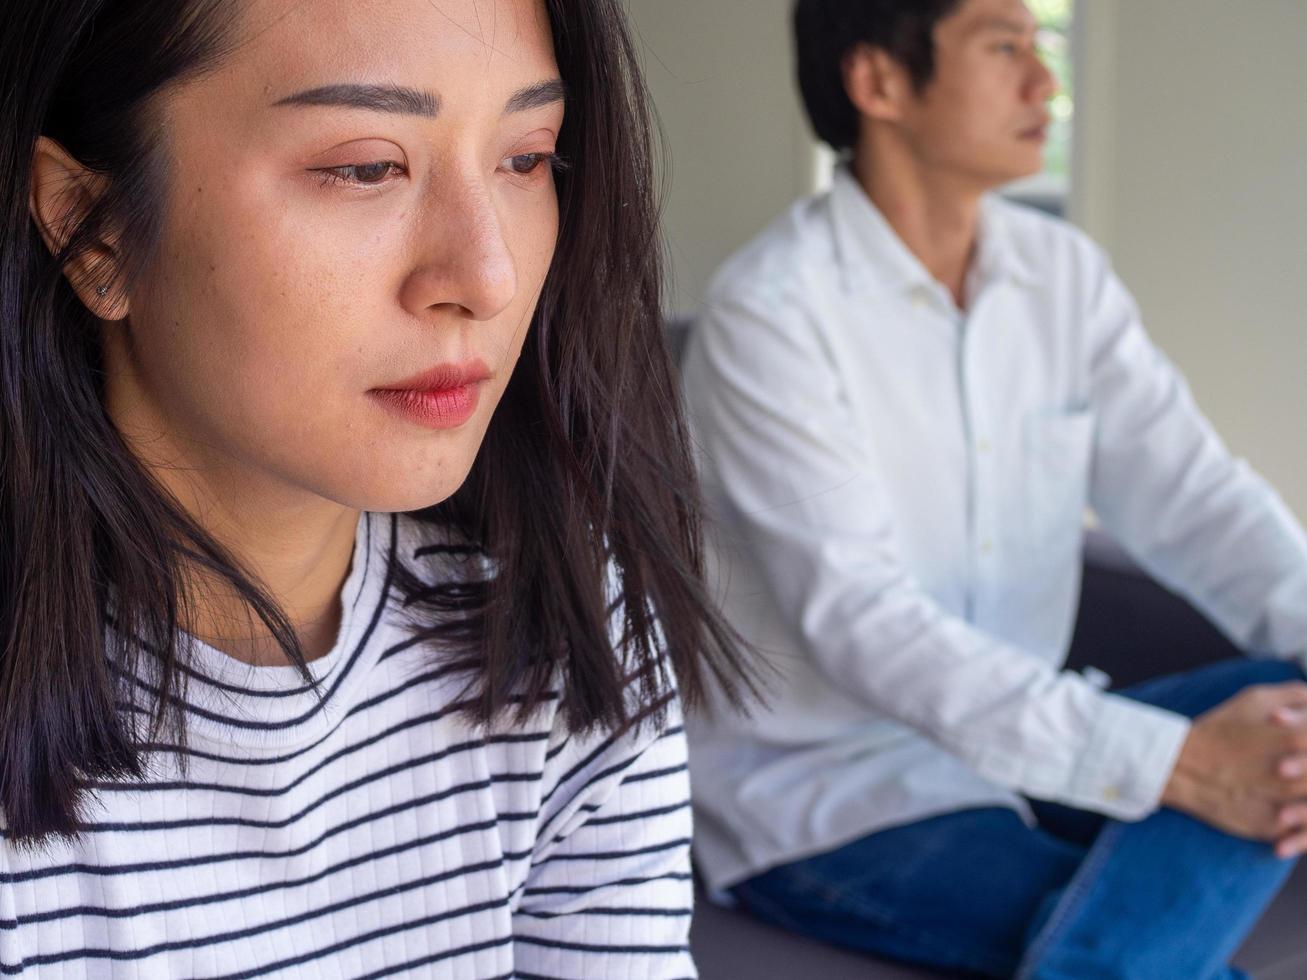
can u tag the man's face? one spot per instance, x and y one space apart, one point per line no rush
983 116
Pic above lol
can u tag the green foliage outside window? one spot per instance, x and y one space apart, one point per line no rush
1055 45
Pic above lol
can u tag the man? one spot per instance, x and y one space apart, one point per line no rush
906 392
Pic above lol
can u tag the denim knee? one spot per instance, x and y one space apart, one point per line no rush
1250 672
1200 690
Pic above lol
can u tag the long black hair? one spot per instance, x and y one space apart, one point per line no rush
582 497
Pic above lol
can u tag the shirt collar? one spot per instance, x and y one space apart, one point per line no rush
873 257
1000 253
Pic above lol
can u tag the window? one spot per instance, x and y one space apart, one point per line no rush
1050 189
1055 45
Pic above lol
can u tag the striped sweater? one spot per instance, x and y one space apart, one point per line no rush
370 831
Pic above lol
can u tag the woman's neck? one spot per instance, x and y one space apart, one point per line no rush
293 544
301 560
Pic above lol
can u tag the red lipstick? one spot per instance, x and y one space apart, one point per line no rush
443 397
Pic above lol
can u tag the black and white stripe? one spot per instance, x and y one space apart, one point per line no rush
372 833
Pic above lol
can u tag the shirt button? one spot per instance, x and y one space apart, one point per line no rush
984 446
1111 794
987 546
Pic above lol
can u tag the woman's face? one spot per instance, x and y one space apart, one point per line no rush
360 218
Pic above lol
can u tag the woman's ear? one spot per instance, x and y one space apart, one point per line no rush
876 83
63 192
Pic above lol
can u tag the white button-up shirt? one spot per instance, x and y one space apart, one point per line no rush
898 491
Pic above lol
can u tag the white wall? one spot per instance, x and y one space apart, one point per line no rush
1193 173
738 148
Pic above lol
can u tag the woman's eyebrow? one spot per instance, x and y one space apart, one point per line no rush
537 96
414 102
377 98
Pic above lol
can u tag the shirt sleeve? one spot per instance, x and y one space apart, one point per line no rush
1165 486
609 895
783 451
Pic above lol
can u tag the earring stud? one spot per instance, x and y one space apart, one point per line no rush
101 290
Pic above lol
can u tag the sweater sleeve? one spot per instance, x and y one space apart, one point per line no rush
609 894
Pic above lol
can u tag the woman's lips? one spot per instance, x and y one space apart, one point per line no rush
443 397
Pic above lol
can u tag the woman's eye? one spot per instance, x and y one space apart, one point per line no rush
361 174
528 163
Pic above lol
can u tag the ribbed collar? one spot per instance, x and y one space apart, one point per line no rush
232 702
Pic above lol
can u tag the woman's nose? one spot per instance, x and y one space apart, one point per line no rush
465 263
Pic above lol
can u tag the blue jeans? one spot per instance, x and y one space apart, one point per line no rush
1079 896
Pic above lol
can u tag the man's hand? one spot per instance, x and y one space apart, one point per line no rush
1243 768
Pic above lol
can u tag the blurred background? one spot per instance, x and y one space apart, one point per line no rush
1181 147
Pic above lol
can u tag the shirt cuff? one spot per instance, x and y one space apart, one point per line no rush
1129 759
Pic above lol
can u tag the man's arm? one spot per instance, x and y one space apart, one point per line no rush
1200 521
1207 526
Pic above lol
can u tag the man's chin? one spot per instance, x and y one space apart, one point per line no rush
995 174
1018 171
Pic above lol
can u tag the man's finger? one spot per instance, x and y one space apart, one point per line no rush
1292 768
1287 701
1291 845
1291 817
1289 716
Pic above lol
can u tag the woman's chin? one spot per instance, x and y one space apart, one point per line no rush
401 493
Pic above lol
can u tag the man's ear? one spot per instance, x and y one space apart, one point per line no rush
877 84
63 192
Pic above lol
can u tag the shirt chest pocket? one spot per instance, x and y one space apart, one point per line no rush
1057 454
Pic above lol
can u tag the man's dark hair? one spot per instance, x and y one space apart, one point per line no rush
825 31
